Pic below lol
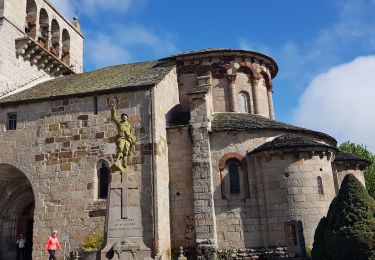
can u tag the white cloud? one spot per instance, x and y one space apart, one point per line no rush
116 45
353 25
112 43
160 42
341 102
102 51
91 8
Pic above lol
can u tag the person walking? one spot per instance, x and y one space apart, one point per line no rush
52 245
20 247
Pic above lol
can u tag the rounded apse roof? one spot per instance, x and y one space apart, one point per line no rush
211 52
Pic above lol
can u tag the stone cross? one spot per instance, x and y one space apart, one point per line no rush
124 186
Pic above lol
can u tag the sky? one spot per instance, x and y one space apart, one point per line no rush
325 49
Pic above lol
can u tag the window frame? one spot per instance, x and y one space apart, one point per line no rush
102 165
234 178
12 122
319 182
244 96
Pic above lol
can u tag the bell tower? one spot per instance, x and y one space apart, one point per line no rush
37 44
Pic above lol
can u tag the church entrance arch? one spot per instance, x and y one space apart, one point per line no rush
16 211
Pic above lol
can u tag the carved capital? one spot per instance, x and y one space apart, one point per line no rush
232 78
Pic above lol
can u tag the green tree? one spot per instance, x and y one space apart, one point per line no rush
361 151
348 232
319 251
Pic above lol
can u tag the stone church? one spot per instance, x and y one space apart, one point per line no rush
211 168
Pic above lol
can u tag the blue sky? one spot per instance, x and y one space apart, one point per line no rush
316 44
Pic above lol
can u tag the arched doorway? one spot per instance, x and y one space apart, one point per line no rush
16 211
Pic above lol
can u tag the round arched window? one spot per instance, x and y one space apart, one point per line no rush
103 179
244 102
234 178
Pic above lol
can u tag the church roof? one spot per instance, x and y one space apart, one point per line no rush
344 156
109 79
243 121
228 51
291 141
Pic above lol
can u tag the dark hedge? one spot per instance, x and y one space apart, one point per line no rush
348 232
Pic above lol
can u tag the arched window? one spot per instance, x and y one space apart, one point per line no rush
320 185
219 73
234 178
65 56
244 70
103 179
31 17
55 38
43 28
244 102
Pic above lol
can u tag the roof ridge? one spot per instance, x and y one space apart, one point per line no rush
232 121
291 140
113 78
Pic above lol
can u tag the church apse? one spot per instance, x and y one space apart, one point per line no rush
231 77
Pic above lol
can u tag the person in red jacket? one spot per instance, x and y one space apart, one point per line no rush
52 245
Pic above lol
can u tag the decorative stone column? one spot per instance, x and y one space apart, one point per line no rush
233 92
257 85
270 102
204 209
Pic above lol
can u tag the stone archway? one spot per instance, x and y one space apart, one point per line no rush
16 210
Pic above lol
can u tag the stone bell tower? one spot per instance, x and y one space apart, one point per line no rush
37 43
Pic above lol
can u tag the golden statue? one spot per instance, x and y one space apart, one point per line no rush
124 141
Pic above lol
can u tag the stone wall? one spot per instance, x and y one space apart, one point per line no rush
226 98
165 100
186 82
255 217
220 95
291 192
58 144
15 13
244 84
237 215
343 168
15 72
262 98
204 208
181 188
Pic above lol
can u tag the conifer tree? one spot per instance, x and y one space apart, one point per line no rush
348 233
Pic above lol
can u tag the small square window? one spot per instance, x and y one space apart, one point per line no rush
12 121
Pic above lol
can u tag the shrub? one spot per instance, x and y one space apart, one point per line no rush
318 251
93 242
348 232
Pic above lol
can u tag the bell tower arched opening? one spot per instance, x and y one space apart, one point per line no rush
31 18
65 56
55 38
43 28
16 211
